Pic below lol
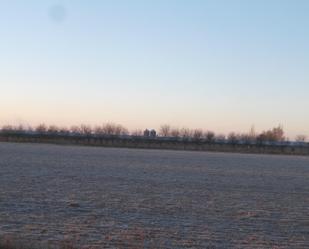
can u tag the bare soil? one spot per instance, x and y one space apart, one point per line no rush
129 198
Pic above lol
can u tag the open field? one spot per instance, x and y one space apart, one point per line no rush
127 198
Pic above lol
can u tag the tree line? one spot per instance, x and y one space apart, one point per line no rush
274 135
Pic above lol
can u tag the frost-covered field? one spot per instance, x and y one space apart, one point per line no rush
125 198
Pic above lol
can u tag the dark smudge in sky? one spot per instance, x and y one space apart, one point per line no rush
57 13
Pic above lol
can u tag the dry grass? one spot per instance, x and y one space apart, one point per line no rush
13 243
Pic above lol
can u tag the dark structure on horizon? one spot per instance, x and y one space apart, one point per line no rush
150 133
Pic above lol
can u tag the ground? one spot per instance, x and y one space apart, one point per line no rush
127 198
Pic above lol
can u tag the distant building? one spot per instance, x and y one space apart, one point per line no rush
150 133
146 133
153 133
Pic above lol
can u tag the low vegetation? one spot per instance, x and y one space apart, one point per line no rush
275 135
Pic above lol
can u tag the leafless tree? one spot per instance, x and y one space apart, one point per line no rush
175 132
137 133
233 138
301 138
108 129
113 129
252 134
7 129
86 129
41 129
20 128
274 135
63 130
278 133
120 130
249 137
75 129
220 138
53 129
197 135
165 130
98 130
210 136
185 133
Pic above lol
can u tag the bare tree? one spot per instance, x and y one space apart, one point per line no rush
252 134
210 136
41 129
63 130
108 129
233 138
278 133
98 130
175 132
120 130
7 129
245 138
137 133
86 129
301 138
20 129
274 135
197 135
185 133
220 138
53 129
75 130
114 129
165 130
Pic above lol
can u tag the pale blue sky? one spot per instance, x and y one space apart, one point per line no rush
219 65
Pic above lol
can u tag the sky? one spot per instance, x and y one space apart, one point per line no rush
211 64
